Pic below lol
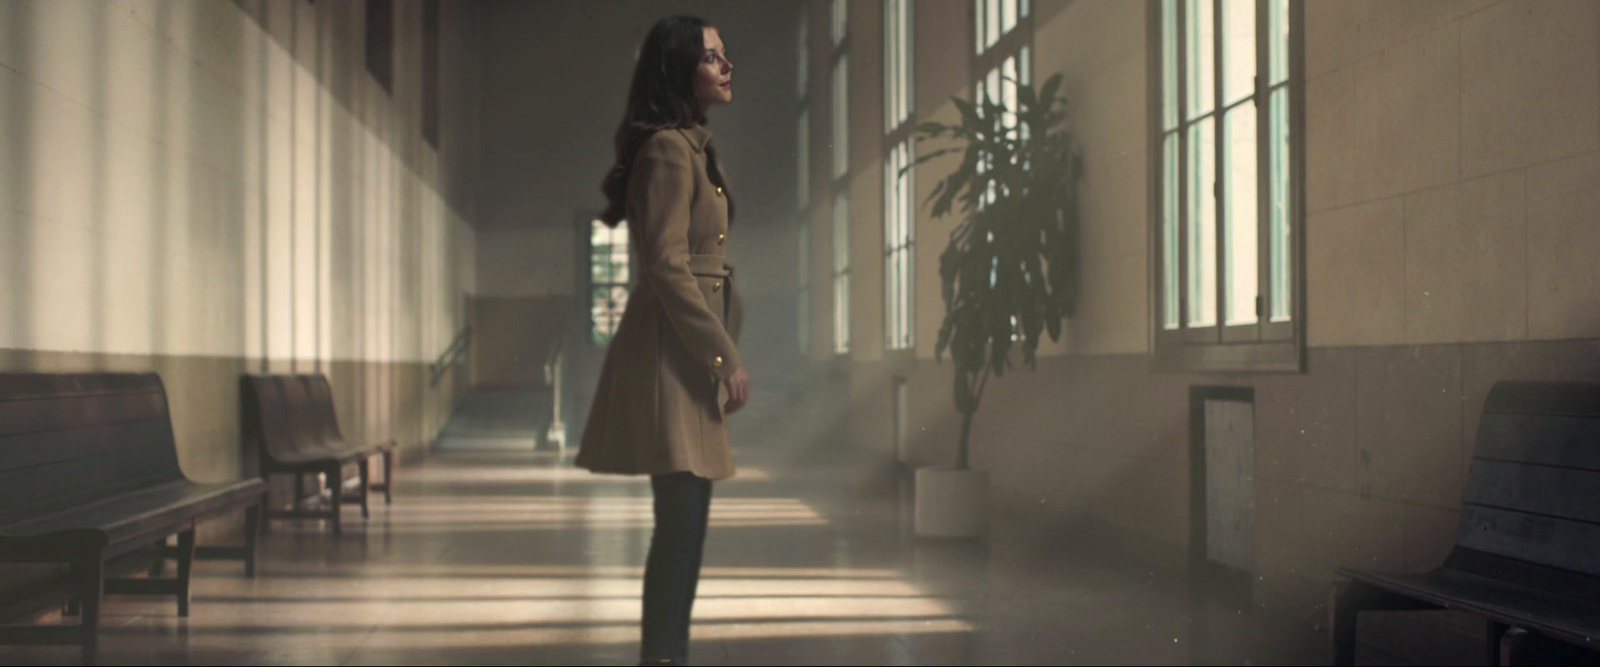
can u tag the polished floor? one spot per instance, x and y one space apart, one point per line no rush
514 557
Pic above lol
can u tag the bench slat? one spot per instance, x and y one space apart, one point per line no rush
1561 543
38 449
1536 489
25 416
1555 440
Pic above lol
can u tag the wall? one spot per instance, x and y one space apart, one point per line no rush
1451 149
206 189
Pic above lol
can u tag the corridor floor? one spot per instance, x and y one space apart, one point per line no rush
517 558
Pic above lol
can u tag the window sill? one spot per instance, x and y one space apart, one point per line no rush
1253 357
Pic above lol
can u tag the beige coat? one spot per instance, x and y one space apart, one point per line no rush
658 405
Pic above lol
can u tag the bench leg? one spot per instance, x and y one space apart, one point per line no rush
252 518
159 563
1342 613
89 574
366 484
388 476
299 490
335 480
1510 643
185 567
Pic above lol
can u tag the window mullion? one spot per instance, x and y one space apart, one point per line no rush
1264 171
1181 206
1219 171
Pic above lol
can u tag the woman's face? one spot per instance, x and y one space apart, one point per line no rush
713 79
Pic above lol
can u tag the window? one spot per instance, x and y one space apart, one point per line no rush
1004 56
841 115
841 273
430 72
380 42
1226 176
899 233
608 279
839 32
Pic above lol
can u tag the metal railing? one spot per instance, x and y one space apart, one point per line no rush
554 369
456 355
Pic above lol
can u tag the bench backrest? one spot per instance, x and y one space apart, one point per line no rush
70 439
1532 508
291 415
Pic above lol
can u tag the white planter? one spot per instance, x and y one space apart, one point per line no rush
952 503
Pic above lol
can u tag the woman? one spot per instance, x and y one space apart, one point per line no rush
659 408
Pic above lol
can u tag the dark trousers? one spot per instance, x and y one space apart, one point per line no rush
682 507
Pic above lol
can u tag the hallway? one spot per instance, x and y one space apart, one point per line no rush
517 558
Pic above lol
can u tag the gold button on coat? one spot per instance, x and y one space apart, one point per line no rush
721 238
716 363
719 191
716 286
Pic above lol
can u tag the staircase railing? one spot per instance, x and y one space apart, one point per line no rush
455 355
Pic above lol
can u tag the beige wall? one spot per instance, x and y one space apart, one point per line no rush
1450 161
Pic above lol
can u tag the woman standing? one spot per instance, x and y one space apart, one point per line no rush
672 373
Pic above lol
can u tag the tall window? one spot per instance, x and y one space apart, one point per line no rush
841 273
1004 56
1227 183
839 32
899 233
608 279
803 178
380 42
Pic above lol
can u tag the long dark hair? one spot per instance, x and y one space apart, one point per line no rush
661 97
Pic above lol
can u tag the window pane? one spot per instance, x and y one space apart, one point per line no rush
1169 64
977 24
1169 230
841 16
1202 223
1278 136
1025 64
1025 7
841 116
803 159
1239 228
1008 15
1278 38
1008 90
1239 49
1200 56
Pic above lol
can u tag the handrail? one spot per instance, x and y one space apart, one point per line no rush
455 355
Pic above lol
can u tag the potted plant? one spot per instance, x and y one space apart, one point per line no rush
1009 273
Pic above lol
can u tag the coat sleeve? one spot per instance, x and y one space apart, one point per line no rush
660 189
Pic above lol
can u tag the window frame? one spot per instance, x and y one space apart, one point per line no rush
899 146
1266 345
839 170
803 186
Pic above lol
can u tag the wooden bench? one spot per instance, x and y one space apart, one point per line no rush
292 422
89 471
1527 555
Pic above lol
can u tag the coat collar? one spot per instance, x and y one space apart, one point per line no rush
698 137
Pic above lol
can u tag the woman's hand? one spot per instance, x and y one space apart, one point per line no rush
738 391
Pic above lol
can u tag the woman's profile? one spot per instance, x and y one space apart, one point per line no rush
672 373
